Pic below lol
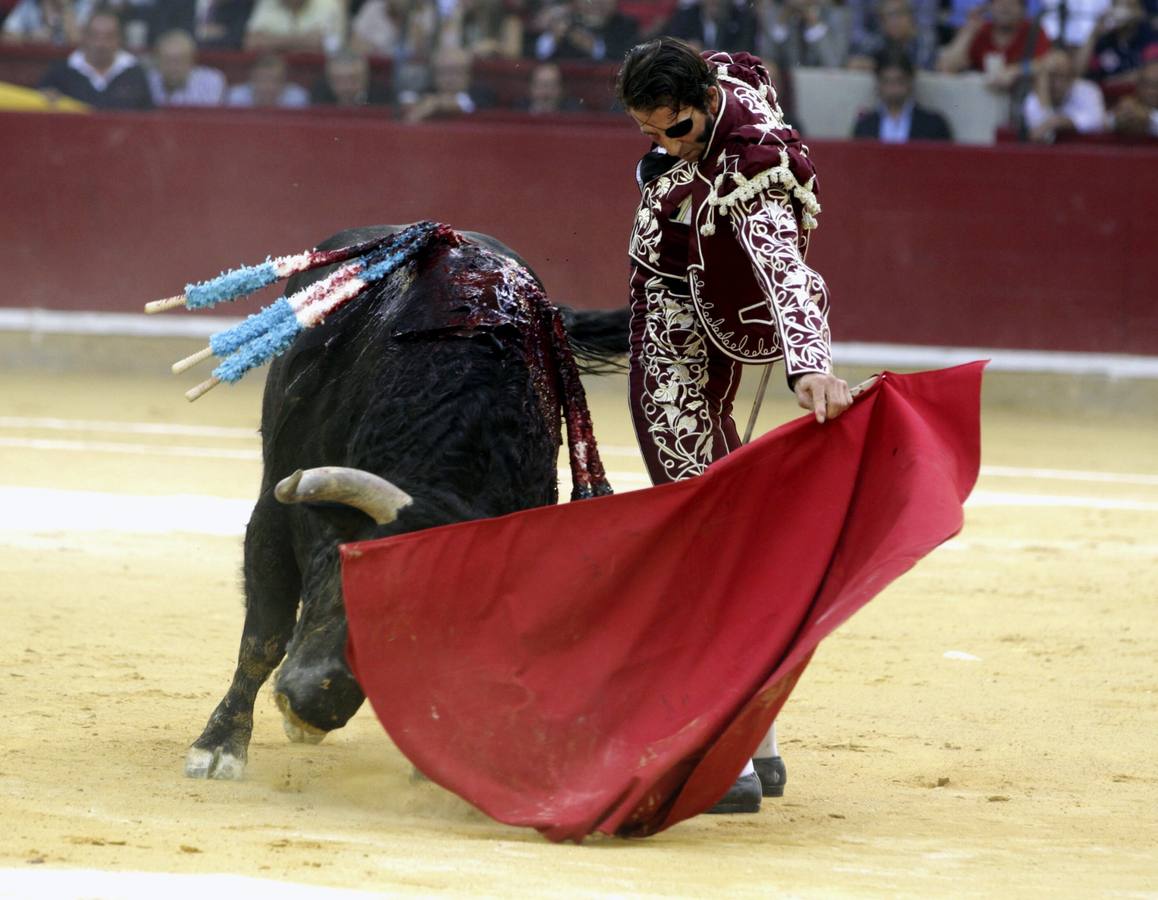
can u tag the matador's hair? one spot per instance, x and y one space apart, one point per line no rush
664 72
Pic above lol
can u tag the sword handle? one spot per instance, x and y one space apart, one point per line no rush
761 388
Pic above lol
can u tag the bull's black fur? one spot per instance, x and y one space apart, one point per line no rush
454 422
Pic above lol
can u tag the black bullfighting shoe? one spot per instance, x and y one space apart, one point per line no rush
773 775
742 797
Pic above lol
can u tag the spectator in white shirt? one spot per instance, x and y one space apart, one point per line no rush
1069 22
56 22
317 26
401 29
268 87
348 82
175 80
1061 102
802 33
451 94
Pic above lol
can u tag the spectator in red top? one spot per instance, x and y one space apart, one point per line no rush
650 15
1006 48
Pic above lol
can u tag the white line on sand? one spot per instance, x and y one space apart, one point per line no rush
1068 475
30 511
970 544
75 884
43 510
113 426
1008 498
909 356
127 449
611 451
621 451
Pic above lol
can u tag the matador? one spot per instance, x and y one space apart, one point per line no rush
718 273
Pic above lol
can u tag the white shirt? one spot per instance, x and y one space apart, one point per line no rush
27 17
1081 16
895 129
374 25
293 96
326 16
101 80
1083 106
205 87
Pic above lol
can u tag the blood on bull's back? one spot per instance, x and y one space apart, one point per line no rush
440 379
444 384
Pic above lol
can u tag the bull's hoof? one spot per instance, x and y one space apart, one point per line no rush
296 730
214 763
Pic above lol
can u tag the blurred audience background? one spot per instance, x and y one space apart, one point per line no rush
1061 67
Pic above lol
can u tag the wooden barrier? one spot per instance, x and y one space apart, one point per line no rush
1012 246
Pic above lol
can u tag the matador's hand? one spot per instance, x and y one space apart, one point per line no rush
825 395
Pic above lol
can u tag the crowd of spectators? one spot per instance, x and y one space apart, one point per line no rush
1067 65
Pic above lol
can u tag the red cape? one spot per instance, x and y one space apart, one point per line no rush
611 664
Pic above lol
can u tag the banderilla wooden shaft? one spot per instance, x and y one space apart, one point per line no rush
190 361
157 306
203 388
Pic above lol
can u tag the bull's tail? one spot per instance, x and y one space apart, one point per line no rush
588 478
598 338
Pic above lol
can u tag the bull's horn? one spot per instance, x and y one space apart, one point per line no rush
374 496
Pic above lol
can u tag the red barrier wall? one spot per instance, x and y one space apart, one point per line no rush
1050 248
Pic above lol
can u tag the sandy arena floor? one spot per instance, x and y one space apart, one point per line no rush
986 727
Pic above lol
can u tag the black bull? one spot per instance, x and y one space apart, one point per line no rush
447 380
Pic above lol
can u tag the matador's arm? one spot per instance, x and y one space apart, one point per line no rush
767 229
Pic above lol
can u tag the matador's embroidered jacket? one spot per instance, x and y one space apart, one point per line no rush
732 229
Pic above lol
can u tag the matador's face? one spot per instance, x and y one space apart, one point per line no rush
682 132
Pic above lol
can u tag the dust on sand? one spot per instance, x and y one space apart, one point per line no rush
985 727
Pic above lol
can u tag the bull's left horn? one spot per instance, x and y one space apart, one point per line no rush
374 496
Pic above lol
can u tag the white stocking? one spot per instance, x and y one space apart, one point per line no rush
768 747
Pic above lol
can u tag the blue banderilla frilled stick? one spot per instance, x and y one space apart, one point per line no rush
271 331
244 280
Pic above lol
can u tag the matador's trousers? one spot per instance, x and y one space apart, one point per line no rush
682 384
682 387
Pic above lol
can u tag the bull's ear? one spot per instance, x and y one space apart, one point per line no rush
364 491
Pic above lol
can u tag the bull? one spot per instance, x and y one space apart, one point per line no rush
434 398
